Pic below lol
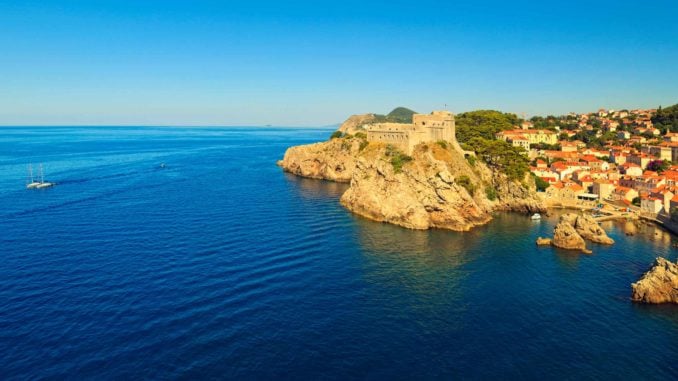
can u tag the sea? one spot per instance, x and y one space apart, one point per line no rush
186 253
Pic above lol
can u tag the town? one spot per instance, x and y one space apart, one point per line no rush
614 159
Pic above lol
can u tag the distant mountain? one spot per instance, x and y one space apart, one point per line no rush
398 115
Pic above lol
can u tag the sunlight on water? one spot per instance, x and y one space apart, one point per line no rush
219 265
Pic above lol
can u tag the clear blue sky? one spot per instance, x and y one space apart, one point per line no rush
314 63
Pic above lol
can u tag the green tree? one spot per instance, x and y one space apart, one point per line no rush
666 119
483 124
336 135
502 156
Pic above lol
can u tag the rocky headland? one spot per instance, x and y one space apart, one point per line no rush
658 285
434 187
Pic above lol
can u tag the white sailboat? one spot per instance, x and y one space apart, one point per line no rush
31 181
37 184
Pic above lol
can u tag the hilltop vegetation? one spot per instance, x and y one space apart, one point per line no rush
666 119
397 115
483 124
476 131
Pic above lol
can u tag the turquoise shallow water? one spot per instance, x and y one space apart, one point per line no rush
221 266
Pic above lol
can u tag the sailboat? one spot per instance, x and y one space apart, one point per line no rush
31 181
37 184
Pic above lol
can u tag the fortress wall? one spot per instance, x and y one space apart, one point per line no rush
439 125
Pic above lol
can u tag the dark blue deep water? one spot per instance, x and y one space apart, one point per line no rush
220 266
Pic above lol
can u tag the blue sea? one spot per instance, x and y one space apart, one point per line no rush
221 266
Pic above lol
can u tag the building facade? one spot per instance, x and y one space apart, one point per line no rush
438 125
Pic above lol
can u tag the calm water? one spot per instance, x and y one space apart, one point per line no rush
221 266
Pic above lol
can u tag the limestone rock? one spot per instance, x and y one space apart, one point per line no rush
331 160
515 196
355 123
658 285
422 195
589 229
566 237
543 241
428 192
435 188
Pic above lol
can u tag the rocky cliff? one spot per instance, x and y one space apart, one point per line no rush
355 123
425 192
658 285
436 187
332 160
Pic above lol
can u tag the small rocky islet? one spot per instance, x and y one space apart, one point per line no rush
658 285
573 230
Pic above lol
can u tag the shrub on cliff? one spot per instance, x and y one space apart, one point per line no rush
398 158
465 182
540 183
363 145
336 134
491 193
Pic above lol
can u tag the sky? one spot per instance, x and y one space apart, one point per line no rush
314 63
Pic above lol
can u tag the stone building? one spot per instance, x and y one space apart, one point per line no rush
518 137
438 125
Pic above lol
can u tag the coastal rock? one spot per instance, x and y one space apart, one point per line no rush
355 123
437 188
515 196
331 160
543 241
658 285
566 237
589 229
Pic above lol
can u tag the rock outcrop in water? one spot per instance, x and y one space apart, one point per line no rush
544 241
436 187
571 231
588 228
566 237
426 192
658 285
332 160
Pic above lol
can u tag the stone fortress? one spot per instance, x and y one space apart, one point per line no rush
438 125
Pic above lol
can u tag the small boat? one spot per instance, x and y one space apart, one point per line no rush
32 184
536 216
31 181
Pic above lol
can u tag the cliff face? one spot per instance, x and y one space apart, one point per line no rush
426 192
332 160
436 187
658 285
355 122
